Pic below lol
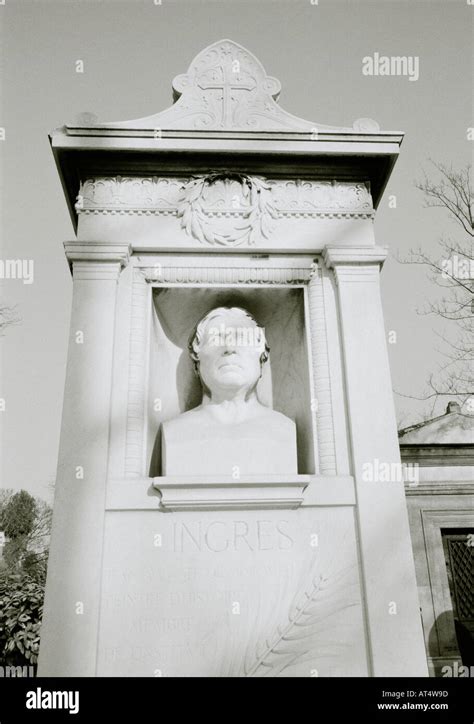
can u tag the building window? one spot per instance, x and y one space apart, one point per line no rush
458 546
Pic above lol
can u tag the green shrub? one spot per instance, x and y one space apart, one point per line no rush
21 610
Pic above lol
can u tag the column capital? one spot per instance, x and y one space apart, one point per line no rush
90 258
354 255
355 263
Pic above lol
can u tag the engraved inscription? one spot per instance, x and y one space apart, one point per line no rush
239 535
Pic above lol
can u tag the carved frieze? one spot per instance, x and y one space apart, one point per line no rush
225 208
223 275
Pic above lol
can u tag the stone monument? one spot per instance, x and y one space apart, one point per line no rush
227 529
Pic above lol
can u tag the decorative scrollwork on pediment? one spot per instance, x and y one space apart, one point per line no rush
225 89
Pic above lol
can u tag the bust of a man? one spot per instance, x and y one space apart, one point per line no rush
230 432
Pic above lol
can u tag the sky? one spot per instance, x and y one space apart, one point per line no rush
131 51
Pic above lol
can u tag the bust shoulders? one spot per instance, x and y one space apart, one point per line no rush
200 442
202 417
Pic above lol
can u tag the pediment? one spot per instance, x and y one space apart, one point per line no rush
225 88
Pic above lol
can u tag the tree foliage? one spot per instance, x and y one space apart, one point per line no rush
26 521
18 515
21 610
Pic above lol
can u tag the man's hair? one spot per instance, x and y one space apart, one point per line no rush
197 334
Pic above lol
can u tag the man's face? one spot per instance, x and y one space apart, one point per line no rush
229 354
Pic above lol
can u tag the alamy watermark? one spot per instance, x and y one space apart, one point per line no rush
17 672
457 671
223 336
457 267
377 471
394 65
17 269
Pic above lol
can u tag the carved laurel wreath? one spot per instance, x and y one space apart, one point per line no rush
257 216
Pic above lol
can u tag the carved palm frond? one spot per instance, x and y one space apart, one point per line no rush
307 633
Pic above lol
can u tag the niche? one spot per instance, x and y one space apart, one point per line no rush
285 383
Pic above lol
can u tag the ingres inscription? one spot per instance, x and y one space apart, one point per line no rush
218 536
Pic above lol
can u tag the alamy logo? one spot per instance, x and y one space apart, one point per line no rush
17 269
17 672
223 336
39 699
457 671
457 267
396 65
377 471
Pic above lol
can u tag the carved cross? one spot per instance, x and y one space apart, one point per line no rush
230 82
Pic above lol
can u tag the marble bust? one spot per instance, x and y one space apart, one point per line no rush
231 432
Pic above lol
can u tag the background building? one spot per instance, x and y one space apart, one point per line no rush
441 514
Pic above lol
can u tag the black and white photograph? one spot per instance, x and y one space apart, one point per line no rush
236 347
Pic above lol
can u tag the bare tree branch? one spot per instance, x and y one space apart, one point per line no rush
8 317
453 272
